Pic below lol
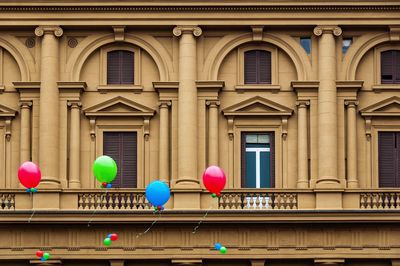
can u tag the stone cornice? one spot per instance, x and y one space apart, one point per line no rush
203 7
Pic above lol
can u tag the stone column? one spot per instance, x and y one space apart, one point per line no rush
187 107
74 145
213 132
302 144
352 180
25 147
49 105
164 141
327 108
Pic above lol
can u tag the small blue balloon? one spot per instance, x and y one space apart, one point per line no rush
43 259
158 193
28 190
217 246
109 235
34 190
109 186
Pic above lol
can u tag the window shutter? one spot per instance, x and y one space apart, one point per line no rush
129 160
387 60
272 164
387 159
127 67
243 159
250 67
113 67
264 72
397 67
112 147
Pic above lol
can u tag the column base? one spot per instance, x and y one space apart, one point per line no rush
187 182
49 182
352 184
302 184
74 184
328 182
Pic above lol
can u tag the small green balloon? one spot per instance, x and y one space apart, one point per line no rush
107 241
105 169
32 189
222 250
46 256
213 195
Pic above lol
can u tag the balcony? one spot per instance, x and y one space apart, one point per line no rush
115 200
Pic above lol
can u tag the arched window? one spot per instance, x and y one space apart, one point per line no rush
257 67
390 67
120 67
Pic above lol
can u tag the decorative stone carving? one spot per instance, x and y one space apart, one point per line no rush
257 32
195 30
30 42
72 42
119 33
335 30
41 30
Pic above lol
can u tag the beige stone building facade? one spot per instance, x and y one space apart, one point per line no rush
298 101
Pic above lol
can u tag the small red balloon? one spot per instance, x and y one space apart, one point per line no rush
114 237
39 253
104 184
29 175
214 179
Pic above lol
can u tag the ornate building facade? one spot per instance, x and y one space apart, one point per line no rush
298 101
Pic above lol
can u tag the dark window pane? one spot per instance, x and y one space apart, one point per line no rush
306 43
257 67
388 159
390 67
120 67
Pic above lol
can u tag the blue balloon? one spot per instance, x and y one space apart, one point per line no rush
217 246
28 190
109 235
34 190
43 259
158 193
109 186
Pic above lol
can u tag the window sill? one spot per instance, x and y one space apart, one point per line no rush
258 87
386 87
120 88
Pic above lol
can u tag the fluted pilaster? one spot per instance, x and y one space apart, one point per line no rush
302 144
213 132
164 141
25 147
74 145
352 179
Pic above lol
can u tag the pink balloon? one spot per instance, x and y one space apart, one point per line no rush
214 179
29 175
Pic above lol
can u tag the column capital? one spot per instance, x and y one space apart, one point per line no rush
351 103
335 30
74 104
179 30
164 104
56 30
302 103
25 104
213 103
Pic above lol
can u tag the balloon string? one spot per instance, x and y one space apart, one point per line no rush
33 212
196 228
95 210
151 226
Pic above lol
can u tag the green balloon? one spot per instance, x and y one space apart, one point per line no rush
107 241
46 256
105 169
222 250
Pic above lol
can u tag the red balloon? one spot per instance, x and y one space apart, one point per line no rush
39 253
114 237
214 179
29 175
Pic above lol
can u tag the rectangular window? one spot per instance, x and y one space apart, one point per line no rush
122 147
390 67
120 67
258 160
306 43
389 159
257 67
346 44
